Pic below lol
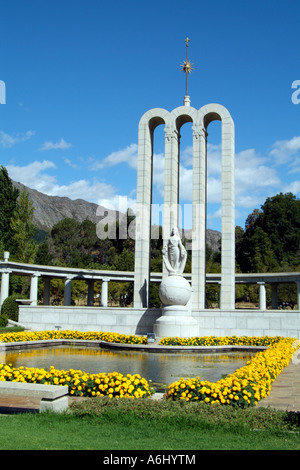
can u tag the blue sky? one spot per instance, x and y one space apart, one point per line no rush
80 74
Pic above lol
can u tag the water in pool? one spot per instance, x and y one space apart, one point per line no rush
161 368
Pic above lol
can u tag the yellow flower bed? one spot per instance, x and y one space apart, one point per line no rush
246 386
220 341
80 383
70 334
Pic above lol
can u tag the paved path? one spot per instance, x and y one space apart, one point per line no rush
285 391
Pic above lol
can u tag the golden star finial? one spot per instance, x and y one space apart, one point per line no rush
187 65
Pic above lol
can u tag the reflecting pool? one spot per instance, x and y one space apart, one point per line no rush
162 368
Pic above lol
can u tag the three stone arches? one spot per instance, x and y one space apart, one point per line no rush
173 121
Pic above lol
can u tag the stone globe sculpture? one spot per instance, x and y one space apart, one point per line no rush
174 289
175 293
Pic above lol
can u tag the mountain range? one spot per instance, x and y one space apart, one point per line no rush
48 210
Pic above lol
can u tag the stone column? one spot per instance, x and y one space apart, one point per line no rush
143 218
46 293
274 288
68 291
104 292
298 294
171 183
262 296
228 215
199 218
220 292
34 288
90 297
4 285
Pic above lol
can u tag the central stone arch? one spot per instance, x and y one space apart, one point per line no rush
173 122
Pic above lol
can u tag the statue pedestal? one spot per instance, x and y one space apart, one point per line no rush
176 320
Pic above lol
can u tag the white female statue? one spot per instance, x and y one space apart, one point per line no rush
174 254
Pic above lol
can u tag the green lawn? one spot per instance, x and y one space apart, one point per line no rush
146 425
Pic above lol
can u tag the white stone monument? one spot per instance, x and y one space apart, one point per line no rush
173 121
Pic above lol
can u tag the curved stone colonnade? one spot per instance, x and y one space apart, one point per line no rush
46 273
218 322
173 121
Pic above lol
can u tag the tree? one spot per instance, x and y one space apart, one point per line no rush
280 219
239 233
87 236
8 202
43 255
124 261
65 235
271 239
262 258
23 229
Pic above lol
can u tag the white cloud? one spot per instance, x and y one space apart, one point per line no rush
253 176
214 160
84 189
257 177
185 183
215 215
127 155
69 163
158 172
293 187
187 156
35 177
294 166
282 150
7 140
250 200
118 203
61 144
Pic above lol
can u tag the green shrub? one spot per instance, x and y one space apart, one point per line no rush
10 307
3 321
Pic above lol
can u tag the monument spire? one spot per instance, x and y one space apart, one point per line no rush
187 67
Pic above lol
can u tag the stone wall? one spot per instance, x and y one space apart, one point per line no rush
113 319
140 321
249 323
